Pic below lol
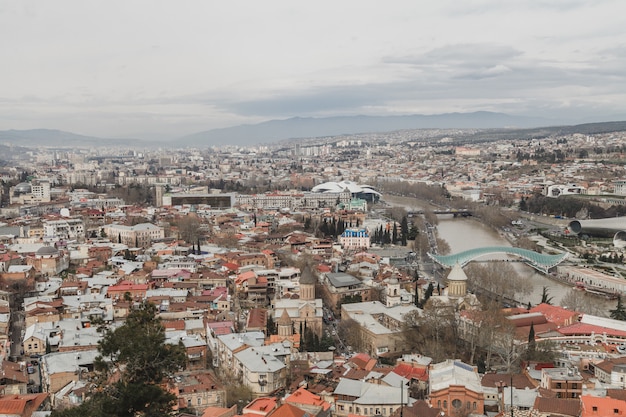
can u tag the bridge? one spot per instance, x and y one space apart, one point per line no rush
454 212
539 261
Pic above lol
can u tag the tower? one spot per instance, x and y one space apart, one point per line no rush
307 284
457 282
393 292
284 324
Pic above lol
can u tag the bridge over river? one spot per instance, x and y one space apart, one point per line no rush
539 261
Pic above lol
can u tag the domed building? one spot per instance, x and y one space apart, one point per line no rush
34 192
22 188
365 192
48 260
455 294
305 311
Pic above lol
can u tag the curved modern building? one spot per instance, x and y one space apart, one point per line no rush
365 192
613 227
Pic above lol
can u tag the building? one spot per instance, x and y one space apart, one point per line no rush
305 311
140 235
34 192
355 239
380 327
620 187
455 388
64 229
338 286
354 397
261 371
198 391
48 260
563 382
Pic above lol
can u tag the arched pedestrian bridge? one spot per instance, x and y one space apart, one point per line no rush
537 260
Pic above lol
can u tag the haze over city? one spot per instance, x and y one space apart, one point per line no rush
158 70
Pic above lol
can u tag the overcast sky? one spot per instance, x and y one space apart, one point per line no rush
149 68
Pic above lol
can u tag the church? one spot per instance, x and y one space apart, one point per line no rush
303 312
455 294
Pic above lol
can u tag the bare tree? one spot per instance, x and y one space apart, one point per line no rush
349 331
434 330
499 279
580 301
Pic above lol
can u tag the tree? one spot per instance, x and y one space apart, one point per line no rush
349 332
136 357
576 300
619 313
545 296
404 230
433 331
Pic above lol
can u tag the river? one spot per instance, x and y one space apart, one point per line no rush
463 234
466 233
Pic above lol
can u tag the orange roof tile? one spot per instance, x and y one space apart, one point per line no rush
302 396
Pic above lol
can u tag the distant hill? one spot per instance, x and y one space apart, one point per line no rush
298 127
58 138
492 126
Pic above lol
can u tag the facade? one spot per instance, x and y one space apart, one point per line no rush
292 200
339 285
140 235
620 187
35 192
564 382
380 327
354 397
354 239
557 190
198 391
65 229
456 389
304 312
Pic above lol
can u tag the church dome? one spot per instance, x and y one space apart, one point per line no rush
47 251
307 276
457 273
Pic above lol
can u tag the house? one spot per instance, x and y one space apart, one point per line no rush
22 405
368 399
563 382
262 371
313 404
602 406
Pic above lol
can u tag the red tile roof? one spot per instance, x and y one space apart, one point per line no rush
302 396
586 329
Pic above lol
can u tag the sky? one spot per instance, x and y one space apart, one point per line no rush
163 69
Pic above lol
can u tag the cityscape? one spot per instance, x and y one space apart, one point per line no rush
312 209
431 271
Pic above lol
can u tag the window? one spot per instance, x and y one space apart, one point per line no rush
199 401
189 402
439 404
594 409
474 405
456 403
445 404
615 411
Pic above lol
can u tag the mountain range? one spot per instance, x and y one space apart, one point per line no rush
298 127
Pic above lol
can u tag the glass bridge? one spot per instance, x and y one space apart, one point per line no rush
539 261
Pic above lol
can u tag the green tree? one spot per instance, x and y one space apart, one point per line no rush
137 358
546 298
619 313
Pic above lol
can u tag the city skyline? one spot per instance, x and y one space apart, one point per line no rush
164 69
